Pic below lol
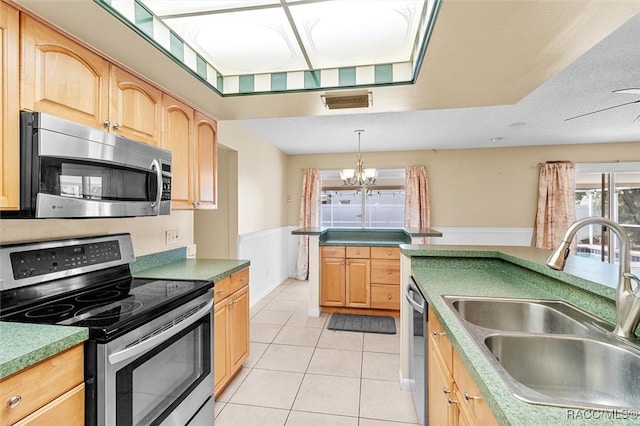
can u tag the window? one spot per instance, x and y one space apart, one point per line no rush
379 206
609 190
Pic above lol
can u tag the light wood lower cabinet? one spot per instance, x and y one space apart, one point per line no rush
454 398
360 277
231 328
50 392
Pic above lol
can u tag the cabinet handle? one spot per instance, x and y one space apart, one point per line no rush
14 401
116 126
241 279
388 297
357 251
452 401
333 252
389 253
220 291
107 124
445 390
469 397
233 303
389 272
438 333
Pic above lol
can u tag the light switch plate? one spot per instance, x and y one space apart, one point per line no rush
171 236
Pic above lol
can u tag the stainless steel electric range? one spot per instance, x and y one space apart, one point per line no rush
149 357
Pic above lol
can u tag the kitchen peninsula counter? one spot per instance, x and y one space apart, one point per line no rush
352 237
517 272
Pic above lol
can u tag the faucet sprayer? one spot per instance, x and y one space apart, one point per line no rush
627 299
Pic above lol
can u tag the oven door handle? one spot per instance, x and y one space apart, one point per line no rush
145 345
412 287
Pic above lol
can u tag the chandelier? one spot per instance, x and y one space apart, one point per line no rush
358 176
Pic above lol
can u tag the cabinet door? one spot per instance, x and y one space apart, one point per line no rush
357 283
61 77
9 118
177 137
471 399
207 162
332 291
239 321
136 109
442 402
220 338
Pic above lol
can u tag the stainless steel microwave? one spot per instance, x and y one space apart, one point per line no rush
68 170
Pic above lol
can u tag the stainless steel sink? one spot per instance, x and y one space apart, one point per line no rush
521 315
551 352
577 371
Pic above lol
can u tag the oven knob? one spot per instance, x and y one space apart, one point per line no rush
14 401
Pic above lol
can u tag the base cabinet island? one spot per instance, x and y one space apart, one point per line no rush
357 270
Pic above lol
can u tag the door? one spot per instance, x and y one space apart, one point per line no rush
136 108
61 77
357 283
332 291
177 137
9 119
239 324
207 161
220 339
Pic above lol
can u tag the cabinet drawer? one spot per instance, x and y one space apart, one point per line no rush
385 271
67 409
385 296
333 251
385 253
41 383
358 252
239 280
222 289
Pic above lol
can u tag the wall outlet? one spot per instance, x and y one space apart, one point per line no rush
171 236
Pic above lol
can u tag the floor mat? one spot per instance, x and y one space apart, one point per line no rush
363 323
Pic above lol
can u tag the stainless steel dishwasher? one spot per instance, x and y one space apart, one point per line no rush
418 349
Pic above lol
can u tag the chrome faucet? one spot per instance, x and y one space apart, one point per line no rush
627 300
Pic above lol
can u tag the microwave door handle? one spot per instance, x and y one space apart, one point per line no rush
156 166
145 345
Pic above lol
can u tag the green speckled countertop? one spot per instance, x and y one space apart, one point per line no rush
385 237
513 272
195 269
26 344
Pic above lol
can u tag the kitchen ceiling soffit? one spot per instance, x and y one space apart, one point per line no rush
273 46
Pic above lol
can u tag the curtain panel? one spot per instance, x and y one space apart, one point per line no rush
556 203
309 217
417 210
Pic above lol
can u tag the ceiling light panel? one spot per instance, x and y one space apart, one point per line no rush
245 42
352 33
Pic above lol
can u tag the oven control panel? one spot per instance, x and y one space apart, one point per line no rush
26 264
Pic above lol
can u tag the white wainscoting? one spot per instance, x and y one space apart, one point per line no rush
494 236
272 253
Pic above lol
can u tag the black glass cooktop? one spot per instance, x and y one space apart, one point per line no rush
114 308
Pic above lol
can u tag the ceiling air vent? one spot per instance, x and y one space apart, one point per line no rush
343 100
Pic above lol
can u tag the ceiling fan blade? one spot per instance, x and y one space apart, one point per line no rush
603 109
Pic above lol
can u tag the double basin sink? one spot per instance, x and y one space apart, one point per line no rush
552 353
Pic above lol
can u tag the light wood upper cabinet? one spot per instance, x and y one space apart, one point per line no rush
136 107
61 77
9 118
206 196
177 136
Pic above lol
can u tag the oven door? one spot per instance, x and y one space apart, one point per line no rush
160 374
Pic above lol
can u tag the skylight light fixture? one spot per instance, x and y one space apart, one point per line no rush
358 176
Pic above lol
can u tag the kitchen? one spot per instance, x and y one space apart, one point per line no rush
255 176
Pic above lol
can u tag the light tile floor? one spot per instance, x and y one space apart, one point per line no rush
301 374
